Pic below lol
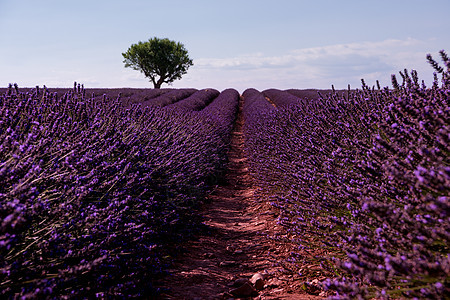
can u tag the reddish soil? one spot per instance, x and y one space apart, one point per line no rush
240 244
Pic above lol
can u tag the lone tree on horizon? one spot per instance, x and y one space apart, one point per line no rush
161 60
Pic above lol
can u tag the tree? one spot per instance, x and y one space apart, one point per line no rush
161 60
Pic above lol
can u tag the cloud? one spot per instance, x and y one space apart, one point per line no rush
299 56
245 62
316 67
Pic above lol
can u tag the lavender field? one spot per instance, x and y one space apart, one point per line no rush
104 186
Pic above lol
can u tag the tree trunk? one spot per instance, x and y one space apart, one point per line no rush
158 83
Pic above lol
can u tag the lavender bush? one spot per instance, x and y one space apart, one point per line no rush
367 172
94 196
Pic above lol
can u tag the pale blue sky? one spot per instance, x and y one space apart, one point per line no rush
234 43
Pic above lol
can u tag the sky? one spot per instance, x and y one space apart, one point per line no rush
234 44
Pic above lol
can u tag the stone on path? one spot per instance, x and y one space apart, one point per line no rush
258 281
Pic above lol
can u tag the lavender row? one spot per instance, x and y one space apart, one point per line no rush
258 103
367 172
222 112
128 96
313 94
258 114
170 97
92 191
197 101
281 98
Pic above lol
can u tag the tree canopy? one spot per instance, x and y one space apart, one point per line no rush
161 60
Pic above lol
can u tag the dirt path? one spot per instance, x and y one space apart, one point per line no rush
239 244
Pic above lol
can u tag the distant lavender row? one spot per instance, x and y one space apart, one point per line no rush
281 98
365 178
313 94
222 112
94 197
127 96
196 101
255 99
170 97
